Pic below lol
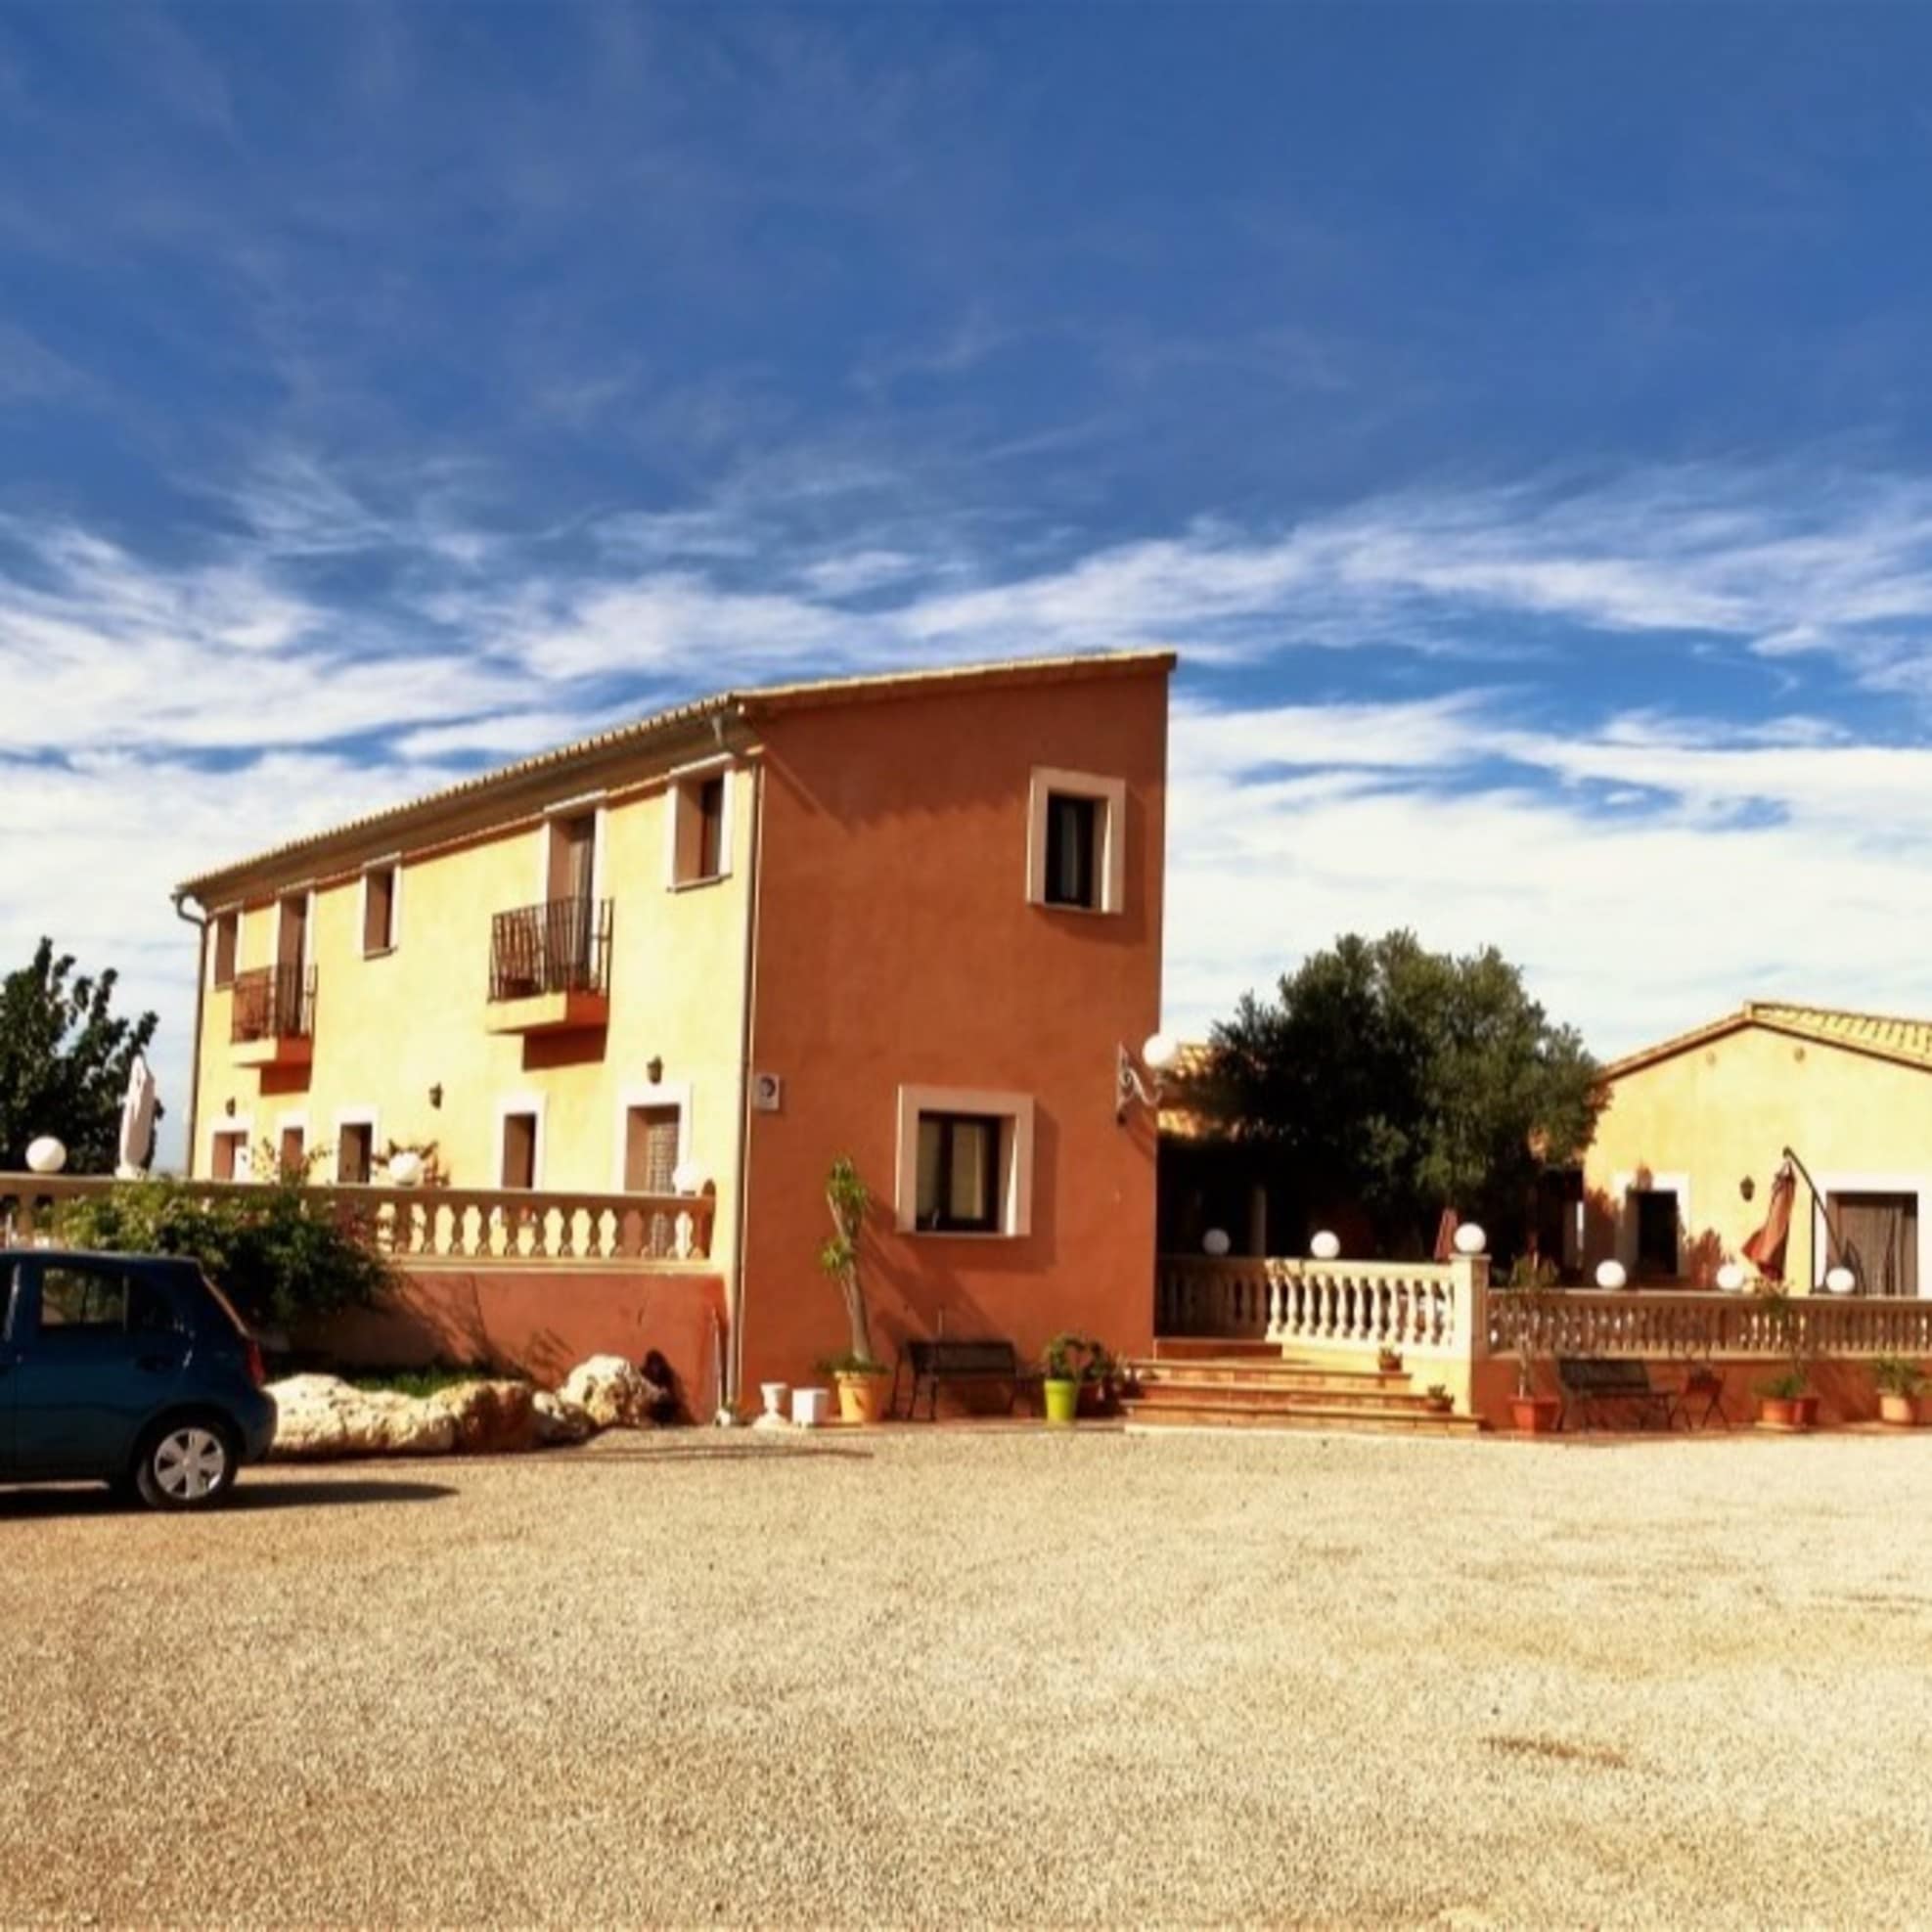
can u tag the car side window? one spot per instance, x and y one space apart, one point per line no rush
81 1304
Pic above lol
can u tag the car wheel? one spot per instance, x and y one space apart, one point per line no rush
185 1465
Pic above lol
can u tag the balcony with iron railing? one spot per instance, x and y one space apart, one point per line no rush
271 1015
550 967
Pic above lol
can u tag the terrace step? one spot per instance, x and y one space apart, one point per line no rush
1141 1415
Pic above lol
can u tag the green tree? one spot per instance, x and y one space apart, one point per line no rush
63 1061
1397 1081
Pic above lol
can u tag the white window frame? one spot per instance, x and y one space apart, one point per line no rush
233 1125
1867 1180
1016 1180
306 893
239 914
680 798
1110 863
595 803
393 866
649 1094
507 1104
356 1116
1651 1181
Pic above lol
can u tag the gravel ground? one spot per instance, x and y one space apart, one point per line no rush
987 1677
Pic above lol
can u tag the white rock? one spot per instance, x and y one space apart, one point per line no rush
562 1420
614 1394
323 1416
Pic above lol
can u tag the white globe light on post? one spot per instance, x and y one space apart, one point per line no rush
1326 1246
406 1168
1214 1243
1840 1279
1470 1238
688 1177
1160 1052
1610 1274
45 1156
1730 1277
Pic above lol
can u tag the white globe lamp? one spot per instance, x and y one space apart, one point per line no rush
1730 1277
1214 1243
406 1168
688 1177
1326 1245
45 1156
1610 1274
1470 1238
1160 1052
1840 1279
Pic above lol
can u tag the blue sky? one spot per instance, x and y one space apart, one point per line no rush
1519 418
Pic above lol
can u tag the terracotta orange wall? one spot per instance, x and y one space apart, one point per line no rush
896 945
539 1320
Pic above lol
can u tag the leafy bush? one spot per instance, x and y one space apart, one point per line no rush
276 1252
1897 1374
1072 1357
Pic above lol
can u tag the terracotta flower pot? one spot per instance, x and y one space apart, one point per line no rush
858 1397
1535 1414
1900 1411
1795 1413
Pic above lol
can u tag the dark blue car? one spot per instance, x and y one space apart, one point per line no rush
130 1369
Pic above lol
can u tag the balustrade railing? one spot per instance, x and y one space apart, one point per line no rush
470 1225
1662 1322
1423 1307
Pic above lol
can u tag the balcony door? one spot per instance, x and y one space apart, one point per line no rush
569 918
1880 1234
650 1149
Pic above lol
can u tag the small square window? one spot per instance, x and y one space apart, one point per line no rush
959 1173
1076 849
379 910
227 944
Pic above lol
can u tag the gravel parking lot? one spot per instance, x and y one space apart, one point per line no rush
947 1677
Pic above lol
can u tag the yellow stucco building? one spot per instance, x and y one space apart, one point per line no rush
1680 1172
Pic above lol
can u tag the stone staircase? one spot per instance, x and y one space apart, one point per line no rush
1258 1385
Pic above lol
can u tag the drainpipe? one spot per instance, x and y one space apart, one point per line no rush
199 922
740 1207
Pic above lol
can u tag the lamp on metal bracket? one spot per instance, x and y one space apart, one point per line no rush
1143 1080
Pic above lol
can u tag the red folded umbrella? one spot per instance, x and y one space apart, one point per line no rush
1765 1248
1446 1235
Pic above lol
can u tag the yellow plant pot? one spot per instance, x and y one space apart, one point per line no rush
859 1398
1063 1401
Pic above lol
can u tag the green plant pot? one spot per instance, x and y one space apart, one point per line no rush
1063 1401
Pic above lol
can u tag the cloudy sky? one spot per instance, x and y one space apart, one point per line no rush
1519 419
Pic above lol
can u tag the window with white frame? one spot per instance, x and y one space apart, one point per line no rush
1076 858
229 1156
355 1150
966 1162
382 908
700 805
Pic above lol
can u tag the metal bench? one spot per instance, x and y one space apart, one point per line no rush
981 1359
1588 1383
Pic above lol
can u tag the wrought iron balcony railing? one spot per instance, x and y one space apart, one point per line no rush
560 947
273 1003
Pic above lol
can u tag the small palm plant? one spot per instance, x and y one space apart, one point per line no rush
848 1197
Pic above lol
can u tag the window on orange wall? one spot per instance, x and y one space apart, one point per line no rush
1073 845
959 1173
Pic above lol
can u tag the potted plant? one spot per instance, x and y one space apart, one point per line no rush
1898 1379
1786 1401
1436 1398
1388 1360
1099 1380
1531 1281
1070 1361
859 1373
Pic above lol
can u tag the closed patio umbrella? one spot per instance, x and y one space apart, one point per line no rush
1766 1247
137 1121
1446 1235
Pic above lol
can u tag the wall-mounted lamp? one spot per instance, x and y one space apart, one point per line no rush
228 1106
436 1095
1747 1186
1145 1081
653 1070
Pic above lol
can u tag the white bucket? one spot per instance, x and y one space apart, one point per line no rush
811 1408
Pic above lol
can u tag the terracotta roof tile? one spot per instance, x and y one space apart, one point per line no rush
1886 1036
